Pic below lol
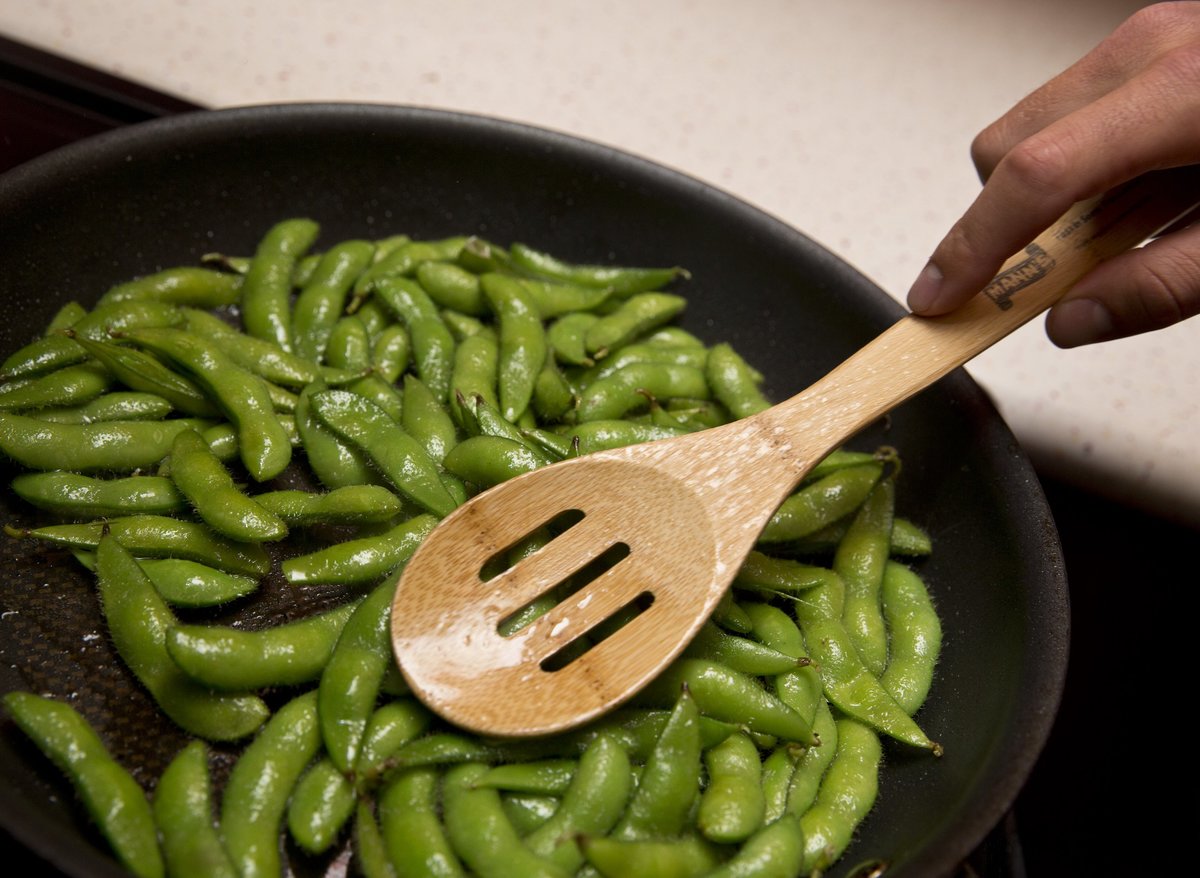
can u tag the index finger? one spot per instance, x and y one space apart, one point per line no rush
1146 124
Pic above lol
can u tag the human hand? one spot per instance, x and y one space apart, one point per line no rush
1129 106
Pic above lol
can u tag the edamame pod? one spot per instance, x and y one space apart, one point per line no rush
111 796
263 445
847 793
323 298
670 782
255 797
916 637
183 285
412 829
860 560
118 446
732 804
522 342
88 497
591 805
319 807
219 502
238 660
138 622
398 456
267 286
183 813
480 833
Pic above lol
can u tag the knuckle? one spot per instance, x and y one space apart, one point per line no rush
1040 163
1158 22
1169 287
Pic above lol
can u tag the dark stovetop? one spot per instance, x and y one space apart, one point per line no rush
1092 804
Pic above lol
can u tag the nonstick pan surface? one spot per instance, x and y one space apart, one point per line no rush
163 193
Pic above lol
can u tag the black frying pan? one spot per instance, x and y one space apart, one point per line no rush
162 193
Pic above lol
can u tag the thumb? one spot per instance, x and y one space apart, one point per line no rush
1137 291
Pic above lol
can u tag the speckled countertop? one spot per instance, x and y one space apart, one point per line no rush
848 120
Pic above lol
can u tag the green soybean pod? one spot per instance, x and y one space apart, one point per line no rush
65 317
183 813
263 445
185 583
111 796
553 396
621 280
606 433
267 286
391 727
116 406
733 804
138 622
485 461
777 770
451 286
143 372
566 337
845 679
760 571
158 536
734 382
263 358
480 833
522 340
255 798
217 499
547 777
725 694
591 805
394 452
476 365
362 560
738 653
70 385
847 793
646 352
860 560
412 829
730 616
812 763
527 811
55 351
670 783
557 298
635 316
775 851
626 390
349 344
182 285
352 504
235 659
350 682
319 807
335 462
370 850
323 298
823 502
433 344
391 351
916 637
78 495
427 420
687 857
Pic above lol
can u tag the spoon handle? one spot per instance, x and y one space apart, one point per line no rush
916 351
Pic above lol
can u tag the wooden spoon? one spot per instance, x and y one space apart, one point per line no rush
681 514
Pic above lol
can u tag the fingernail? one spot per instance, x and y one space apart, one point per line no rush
926 288
1079 322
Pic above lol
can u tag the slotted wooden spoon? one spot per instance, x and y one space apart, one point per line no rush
684 512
